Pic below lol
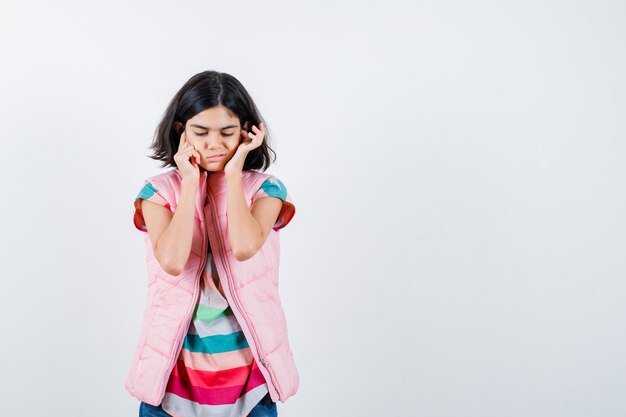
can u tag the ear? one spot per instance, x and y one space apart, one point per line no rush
178 126
246 126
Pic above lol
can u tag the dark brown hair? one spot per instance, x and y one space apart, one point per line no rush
203 91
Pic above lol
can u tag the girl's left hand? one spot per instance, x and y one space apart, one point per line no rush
250 141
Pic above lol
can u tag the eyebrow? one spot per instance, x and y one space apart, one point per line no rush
206 128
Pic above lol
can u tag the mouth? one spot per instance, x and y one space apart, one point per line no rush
214 157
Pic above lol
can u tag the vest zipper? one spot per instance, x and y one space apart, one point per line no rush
234 297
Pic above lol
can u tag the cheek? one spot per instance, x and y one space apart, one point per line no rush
233 142
198 140
193 141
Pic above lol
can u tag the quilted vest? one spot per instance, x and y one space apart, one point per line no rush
250 287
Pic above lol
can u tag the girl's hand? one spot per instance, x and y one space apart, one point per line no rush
249 141
183 157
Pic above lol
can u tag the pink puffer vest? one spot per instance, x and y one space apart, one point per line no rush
251 289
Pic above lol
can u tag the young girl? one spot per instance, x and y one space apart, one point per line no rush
212 222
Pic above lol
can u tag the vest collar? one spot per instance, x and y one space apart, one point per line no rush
210 182
216 180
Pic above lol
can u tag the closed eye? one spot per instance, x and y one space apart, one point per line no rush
204 134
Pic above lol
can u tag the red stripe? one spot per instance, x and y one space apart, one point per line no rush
213 396
212 379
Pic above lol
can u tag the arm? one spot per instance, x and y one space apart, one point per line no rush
171 235
248 228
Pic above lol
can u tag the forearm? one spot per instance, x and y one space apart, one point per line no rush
244 232
174 244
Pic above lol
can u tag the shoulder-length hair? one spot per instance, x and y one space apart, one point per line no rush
203 91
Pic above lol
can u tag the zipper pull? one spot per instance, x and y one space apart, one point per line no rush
263 362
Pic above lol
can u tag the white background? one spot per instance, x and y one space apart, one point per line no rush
458 174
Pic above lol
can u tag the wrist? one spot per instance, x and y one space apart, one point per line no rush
190 183
233 175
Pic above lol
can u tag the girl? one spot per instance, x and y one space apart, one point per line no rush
212 222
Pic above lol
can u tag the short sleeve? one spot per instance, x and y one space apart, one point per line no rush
273 187
150 193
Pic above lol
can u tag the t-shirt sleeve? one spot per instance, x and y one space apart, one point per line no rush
273 187
150 193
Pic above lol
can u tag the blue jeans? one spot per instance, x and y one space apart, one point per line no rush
265 408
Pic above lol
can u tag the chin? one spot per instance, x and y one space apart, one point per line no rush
213 169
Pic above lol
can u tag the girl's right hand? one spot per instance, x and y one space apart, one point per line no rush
183 157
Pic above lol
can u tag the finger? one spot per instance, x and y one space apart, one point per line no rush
191 155
181 141
187 154
190 151
186 145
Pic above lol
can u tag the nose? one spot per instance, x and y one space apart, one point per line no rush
212 141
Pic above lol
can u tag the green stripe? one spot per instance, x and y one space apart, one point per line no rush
207 314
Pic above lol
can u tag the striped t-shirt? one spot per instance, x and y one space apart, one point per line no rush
271 187
215 373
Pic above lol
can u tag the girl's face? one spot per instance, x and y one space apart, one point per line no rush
214 132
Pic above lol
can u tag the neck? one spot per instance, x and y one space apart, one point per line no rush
219 173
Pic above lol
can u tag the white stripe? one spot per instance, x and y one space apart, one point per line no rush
220 326
174 404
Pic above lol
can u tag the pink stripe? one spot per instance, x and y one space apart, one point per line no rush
209 379
214 396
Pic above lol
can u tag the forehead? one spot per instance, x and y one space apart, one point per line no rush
216 117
